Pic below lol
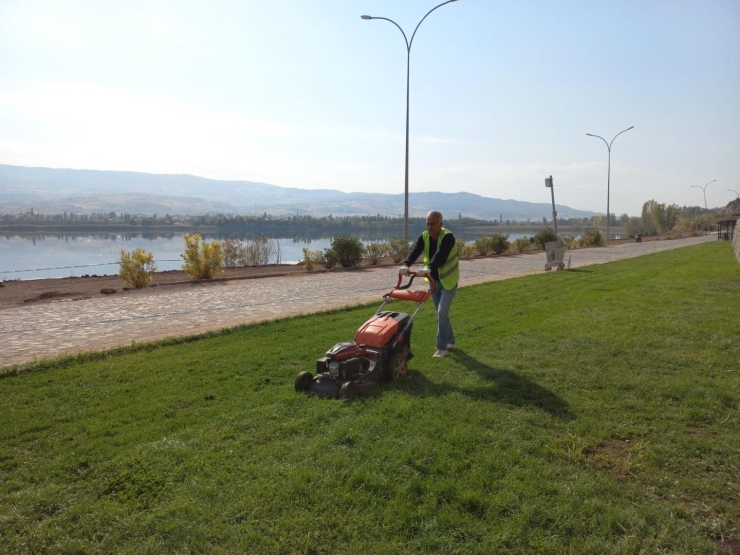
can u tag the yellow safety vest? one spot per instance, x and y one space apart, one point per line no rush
449 274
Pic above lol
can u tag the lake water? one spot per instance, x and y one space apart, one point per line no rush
37 256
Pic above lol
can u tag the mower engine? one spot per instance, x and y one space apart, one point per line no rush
345 360
380 351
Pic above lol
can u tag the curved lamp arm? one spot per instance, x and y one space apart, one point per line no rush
408 42
408 45
618 134
423 18
609 148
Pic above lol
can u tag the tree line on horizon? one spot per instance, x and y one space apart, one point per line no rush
655 218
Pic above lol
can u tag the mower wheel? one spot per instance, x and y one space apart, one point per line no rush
303 381
397 366
348 391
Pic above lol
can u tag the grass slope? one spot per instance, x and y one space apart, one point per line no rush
589 411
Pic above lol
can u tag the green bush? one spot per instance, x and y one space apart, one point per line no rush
202 260
136 268
375 252
398 249
520 245
591 239
544 235
499 243
329 259
348 250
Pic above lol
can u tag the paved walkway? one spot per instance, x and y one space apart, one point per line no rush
47 330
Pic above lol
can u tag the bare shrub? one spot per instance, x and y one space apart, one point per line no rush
482 245
312 258
591 239
398 249
375 252
520 246
233 253
570 242
257 251
464 250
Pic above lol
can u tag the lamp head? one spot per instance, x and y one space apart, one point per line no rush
366 17
589 135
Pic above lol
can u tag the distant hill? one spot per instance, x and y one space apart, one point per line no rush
50 190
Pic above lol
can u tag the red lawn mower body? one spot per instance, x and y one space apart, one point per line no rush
380 350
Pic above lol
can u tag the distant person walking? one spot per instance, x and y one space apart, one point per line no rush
440 264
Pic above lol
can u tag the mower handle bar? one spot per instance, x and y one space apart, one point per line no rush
411 280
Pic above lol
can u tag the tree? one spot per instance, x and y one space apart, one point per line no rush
647 209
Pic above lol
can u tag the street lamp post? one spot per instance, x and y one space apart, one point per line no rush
548 183
408 65
704 189
737 200
608 175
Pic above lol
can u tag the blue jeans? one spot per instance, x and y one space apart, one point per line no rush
442 299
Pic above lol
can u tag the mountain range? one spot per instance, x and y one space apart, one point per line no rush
52 191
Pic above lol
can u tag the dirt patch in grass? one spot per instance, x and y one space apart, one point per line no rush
728 547
610 455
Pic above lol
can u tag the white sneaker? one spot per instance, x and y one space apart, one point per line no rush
451 346
439 354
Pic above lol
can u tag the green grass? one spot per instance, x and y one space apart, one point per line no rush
589 411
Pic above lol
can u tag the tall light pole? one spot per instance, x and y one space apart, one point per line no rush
408 65
608 176
705 199
737 200
548 183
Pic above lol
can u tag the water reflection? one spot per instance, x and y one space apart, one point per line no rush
53 255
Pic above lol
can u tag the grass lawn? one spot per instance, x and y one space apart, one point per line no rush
590 411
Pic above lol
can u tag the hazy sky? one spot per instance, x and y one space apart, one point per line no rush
304 93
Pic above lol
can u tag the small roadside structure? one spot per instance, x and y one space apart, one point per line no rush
726 229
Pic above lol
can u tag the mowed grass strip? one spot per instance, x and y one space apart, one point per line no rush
588 411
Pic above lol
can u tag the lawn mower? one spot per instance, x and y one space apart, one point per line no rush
380 351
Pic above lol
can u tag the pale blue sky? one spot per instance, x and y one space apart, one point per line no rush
304 93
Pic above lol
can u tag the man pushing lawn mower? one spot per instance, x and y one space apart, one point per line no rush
381 347
441 266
